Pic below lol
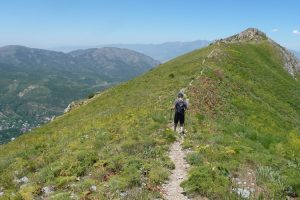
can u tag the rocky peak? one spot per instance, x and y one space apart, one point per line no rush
250 34
290 63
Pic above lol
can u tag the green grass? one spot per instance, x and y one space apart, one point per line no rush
254 122
244 112
119 141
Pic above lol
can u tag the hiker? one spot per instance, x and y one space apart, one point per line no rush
180 106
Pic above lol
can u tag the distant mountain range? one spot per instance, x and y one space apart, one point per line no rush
37 84
297 53
161 52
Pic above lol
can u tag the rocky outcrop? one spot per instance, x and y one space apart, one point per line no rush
73 105
250 34
76 104
23 180
47 190
290 61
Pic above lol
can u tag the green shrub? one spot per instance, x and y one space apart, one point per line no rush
29 191
169 135
91 95
132 176
63 180
194 159
61 196
207 181
158 175
171 75
118 183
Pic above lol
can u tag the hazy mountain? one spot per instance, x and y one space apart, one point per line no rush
119 64
37 84
242 132
166 51
162 52
297 53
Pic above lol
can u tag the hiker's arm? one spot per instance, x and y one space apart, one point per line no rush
186 104
174 105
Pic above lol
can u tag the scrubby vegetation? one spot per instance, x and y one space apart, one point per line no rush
244 114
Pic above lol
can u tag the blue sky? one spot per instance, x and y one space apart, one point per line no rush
52 23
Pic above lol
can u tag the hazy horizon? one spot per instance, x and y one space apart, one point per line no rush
58 23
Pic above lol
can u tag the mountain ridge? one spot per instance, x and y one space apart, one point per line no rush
291 62
162 52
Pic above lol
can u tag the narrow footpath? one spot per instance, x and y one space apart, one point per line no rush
172 190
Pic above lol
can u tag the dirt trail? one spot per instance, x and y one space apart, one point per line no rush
172 190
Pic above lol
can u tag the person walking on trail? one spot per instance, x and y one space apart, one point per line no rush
180 107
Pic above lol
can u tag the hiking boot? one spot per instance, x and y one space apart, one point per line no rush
182 130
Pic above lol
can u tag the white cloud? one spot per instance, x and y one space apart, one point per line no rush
275 30
296 32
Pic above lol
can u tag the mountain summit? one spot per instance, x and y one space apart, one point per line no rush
243 137
290 61
250 34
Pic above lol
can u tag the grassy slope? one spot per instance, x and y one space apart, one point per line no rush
250 119
119 138
244 112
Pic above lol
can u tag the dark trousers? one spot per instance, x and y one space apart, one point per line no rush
179 117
